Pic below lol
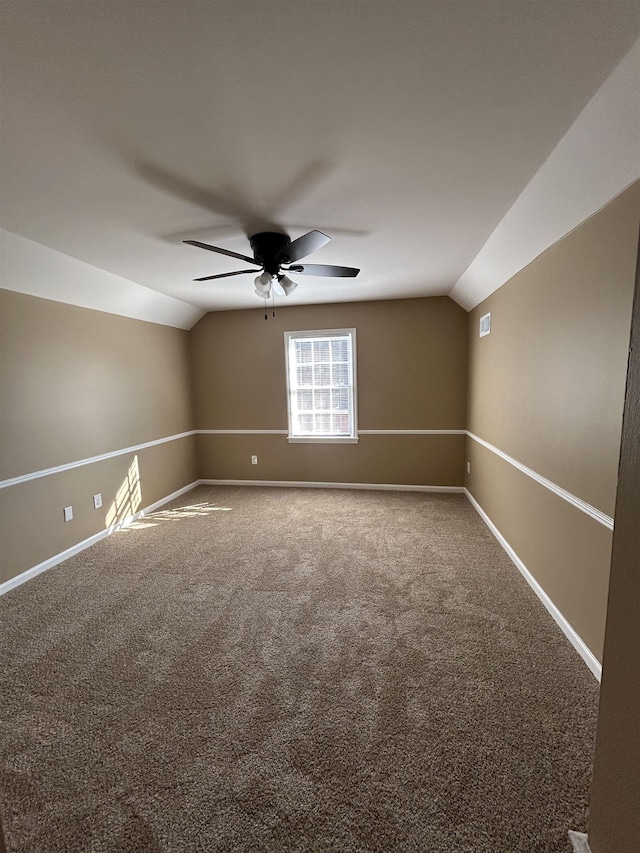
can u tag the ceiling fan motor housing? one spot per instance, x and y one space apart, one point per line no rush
272 249
267 246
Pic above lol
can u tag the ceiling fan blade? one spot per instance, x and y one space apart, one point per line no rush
303 246
221 251
224 275
324 269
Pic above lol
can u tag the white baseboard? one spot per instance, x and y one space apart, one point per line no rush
579 842
170 497
583 650
574 638
304 484
86 543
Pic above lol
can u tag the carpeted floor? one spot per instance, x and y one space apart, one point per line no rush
292 670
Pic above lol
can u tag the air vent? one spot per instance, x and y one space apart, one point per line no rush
485 325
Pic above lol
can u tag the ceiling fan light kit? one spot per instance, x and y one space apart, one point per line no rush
263 285
276 254
284 283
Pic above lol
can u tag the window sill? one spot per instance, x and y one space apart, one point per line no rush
324 439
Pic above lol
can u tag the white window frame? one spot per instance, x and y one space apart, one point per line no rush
353 398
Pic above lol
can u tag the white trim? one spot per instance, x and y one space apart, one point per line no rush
240 432
86 543
67 466
157 504
583 506
57 469
360 432
322 439
569 632
412 432
579 842
574 638
592 511
52 561
304 484
289 361
595 161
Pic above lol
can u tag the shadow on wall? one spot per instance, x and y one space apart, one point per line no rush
128 498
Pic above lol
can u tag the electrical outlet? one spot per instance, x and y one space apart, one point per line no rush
254 460
68 513
97 501
468 467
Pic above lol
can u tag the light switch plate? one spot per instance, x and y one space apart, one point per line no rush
97 501
68 513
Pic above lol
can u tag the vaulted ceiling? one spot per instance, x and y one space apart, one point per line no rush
404 130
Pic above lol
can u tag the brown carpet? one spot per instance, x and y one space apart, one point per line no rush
292 670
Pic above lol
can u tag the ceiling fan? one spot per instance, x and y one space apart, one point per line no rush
276 254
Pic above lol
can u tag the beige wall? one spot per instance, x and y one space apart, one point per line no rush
435 460
411 374
77 383
614 825
547 387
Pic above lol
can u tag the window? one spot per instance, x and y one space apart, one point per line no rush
321 381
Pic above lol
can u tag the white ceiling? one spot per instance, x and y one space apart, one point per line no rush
404 130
